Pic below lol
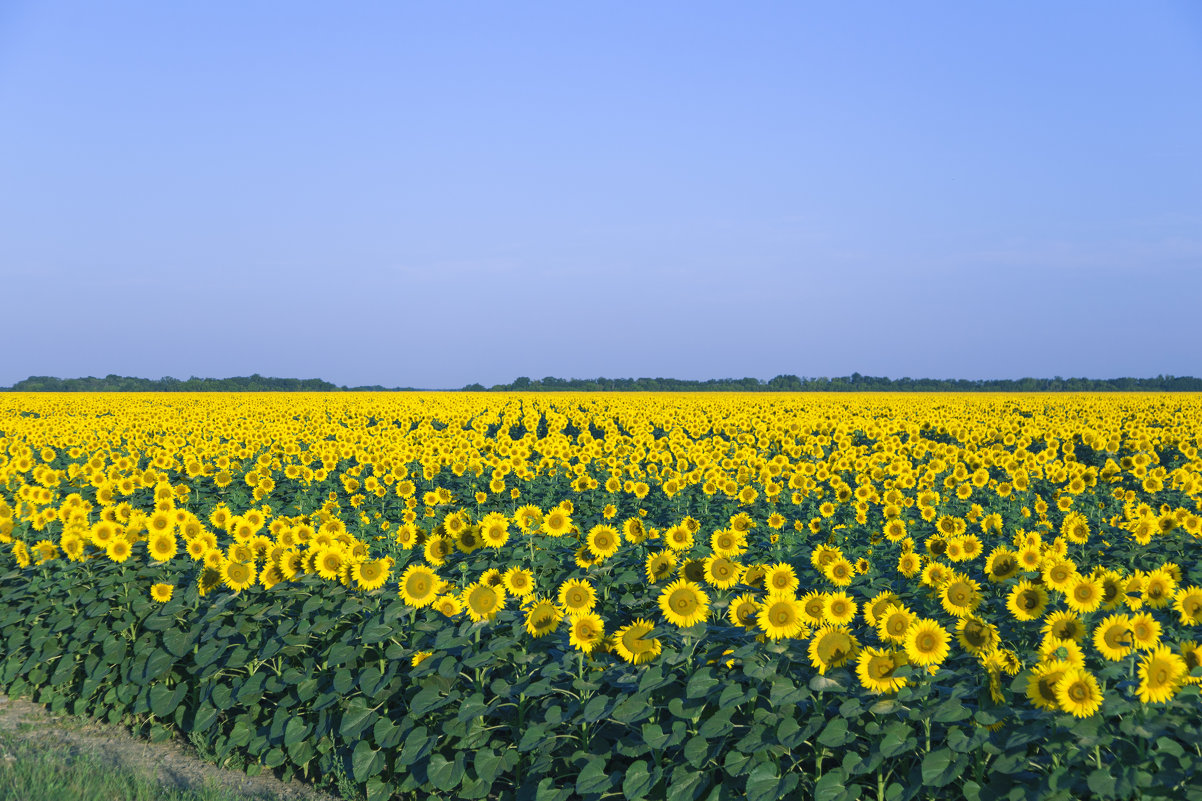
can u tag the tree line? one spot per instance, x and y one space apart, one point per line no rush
119 383
781 383
852 383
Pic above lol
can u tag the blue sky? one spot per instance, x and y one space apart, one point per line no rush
437 194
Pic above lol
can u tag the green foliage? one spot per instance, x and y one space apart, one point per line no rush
306 681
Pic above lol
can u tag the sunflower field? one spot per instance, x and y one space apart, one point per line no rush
541 596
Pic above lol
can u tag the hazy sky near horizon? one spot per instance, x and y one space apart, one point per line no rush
437 194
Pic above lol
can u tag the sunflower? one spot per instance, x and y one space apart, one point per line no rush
877 667
728 542
780 578
976 636
482 601
875 607
633 644
1187 602
542 617
118 549
693 570
419 586
743 610
1084 594
679 538
494 530
161 522
448 605
894 623
467 539
1064 625
684 604
370 575
813 605
557 522
895 530
162 592
1112 637
1059 574
162 545
270 576
291 564
438 549
1030 558
1159 587
1041 684
577 597
840 572
1112 589
1078 692
1053 648
1001 565
780 617
604 541
839 609
722 572
1145 631
927 642
587 631
238 575
832 647
208 580
909 564
527 517
329 563
518 582
1027 601
1191 652
660 566
960 595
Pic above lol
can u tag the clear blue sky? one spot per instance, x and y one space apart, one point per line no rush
436 194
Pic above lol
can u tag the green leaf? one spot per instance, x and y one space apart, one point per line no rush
717 724
205 717
696 750
951 711
593 780
164 700
488 764
356 717
896 741
274 758
762 782
637 781
442 773
178 642
939 768
296 731
427 700
631 709
835 734
378 790
830 786
595 709
376 632
365 762
344 680
700 683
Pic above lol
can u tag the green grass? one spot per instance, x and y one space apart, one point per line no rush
43 772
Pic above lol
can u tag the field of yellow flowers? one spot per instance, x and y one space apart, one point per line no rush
620 595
